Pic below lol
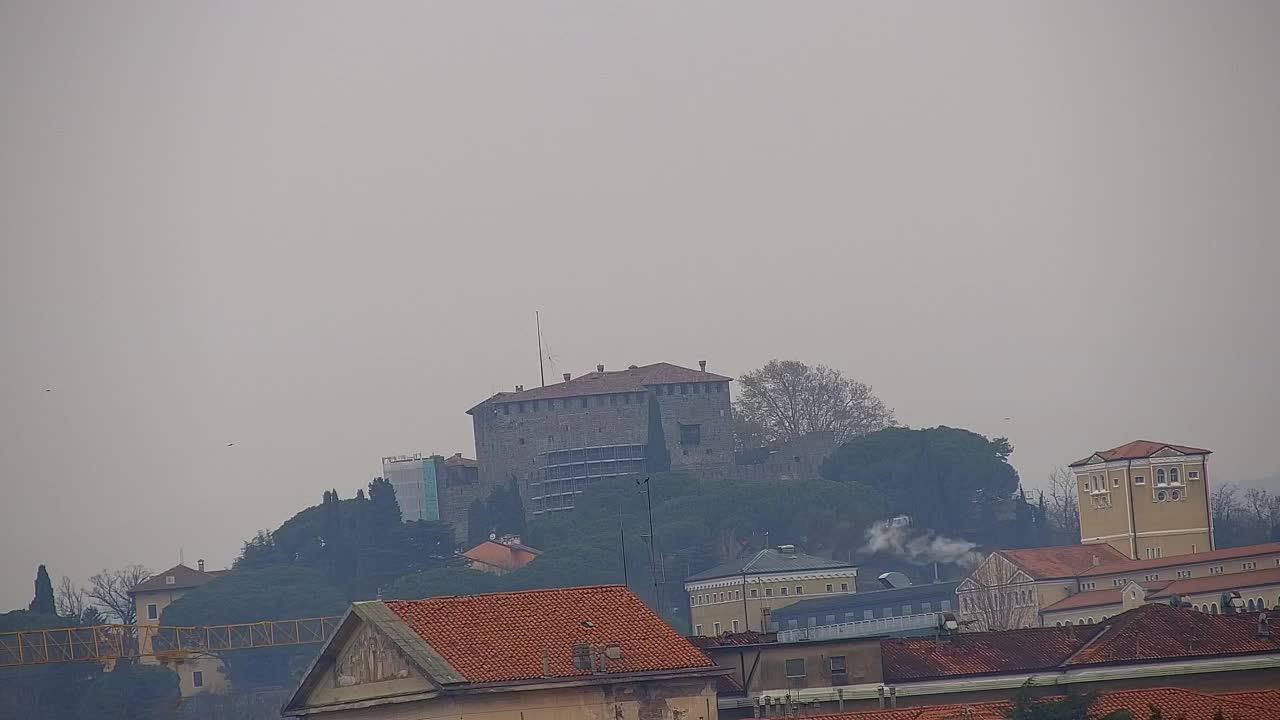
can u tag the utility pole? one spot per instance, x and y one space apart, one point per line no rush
655 559
622 537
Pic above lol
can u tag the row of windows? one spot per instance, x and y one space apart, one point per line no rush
716 628
1097 483
690 388
795 668
831 618
581 403
731 595
1017 598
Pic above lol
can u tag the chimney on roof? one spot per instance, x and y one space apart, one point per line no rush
1264 630
1097 561
600 368
200 565
702 365
567 376
519 388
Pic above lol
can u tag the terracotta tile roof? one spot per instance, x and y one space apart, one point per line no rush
987 653
1139 450
183 578
1124 566
1173 702
503 637
1261 698
1161 632
1226 581
611 381
1062 561
501 555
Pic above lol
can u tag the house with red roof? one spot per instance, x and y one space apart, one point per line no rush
500 555
585 652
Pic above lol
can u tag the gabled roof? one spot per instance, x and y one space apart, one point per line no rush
1173 702
770 560
1126 565
1062 561
1159 632
1150 633
183 578
1223 582
507 637
636 379
984 653
1137 450
502 555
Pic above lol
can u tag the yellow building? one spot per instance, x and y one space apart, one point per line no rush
197 673
739 595
1146 499
571 653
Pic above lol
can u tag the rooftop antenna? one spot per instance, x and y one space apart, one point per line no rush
537 318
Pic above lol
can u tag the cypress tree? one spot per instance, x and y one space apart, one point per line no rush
43 601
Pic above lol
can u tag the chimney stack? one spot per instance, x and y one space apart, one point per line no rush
200 565
600 368
702 364
567 376
519 388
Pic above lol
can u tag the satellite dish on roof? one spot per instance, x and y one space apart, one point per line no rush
894 580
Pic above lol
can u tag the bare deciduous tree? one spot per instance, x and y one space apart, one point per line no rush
998 596
111 590
788 398
70 598
1062 506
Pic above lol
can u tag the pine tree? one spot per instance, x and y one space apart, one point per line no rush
478 525
384 509
43 601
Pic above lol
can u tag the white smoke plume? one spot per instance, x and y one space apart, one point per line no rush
919 548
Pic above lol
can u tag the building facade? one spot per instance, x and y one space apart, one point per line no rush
1146 499
830 611
197 672
741 595
555 440
434 487
566 654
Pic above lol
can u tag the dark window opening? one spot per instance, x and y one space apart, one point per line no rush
690 434
795 668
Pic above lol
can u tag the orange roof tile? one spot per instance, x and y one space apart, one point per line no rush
1088 599
1123 566
985 653
502 556
1225 581
1162 632
1139 450
1261 698
503 637
1173 702
1062 560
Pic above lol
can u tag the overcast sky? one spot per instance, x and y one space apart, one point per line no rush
319 231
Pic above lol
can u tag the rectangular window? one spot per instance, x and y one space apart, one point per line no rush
613 400
926 607
152 612
599 401
828 587
1088 585
506 408
830 620
795 668
799 590
584 402
783 591
844 587
684 389
887 612
520 408
837 665
735 626
1152 578
1250 566
690 434
1184 574
868 614
906 609
1119 582
768 592
793 624
697 387
716 628
697 629
1139 480
1215 570
755 592
197 679
1115 482
946 605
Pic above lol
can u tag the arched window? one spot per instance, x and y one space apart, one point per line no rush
1213 608
1090 621
1173 476
1068 623
1251 606
1160 476
1058 624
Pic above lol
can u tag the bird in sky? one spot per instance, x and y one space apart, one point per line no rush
230 444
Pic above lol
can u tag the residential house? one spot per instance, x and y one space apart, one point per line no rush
587 652
500 555
197 672
741 594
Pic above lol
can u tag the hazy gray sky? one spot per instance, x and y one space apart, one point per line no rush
320 231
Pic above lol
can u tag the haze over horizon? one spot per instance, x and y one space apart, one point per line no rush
250 249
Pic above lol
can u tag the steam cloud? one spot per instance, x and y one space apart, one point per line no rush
920 548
